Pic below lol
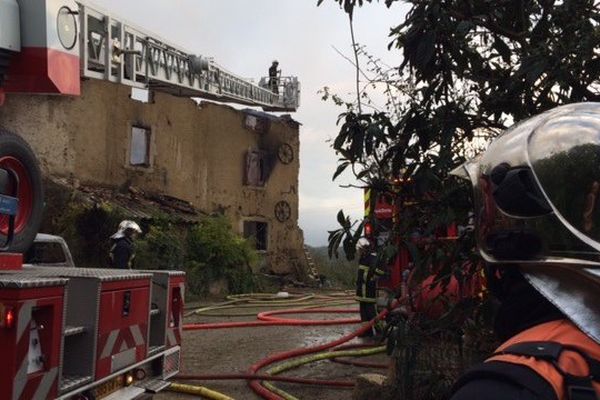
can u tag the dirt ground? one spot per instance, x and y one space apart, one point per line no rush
234 350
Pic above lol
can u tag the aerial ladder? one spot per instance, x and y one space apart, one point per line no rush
79 333
48 46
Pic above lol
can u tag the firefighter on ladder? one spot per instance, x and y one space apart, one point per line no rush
366 282
274 76
535 198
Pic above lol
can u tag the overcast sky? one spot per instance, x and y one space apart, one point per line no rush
244 36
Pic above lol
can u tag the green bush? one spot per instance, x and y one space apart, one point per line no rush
215 252
208 250
86 229
162 246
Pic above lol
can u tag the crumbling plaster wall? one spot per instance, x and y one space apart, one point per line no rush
198 153
226 146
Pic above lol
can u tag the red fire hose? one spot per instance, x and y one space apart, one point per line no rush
288 379
267 394
267 319
266 377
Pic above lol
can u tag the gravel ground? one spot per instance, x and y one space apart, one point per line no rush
234 350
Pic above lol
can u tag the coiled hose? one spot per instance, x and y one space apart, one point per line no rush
267 319
265 393
269 391
310 359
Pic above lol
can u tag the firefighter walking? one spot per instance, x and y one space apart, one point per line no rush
122 251
366 282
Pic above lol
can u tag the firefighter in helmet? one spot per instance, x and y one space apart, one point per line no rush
122 251
538 229
366 282
274 76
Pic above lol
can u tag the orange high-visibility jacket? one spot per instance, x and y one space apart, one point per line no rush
561 354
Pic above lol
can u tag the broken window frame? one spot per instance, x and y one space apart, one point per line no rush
256 169
257 123
257 231
147 161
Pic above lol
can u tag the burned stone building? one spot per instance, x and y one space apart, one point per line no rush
241 163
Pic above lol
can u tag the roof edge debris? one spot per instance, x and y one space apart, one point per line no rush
283 118
133 202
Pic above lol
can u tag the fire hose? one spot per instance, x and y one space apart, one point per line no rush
310 359
272 373
265 393
262 300
288 379
269 318
222 311
198 391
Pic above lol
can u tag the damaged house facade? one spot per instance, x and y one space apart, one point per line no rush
241 163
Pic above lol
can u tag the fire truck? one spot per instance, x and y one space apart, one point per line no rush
382 213
78 333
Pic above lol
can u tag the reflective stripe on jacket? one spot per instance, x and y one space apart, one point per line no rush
557 342
366 280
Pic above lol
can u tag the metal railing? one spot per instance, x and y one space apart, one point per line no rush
119 52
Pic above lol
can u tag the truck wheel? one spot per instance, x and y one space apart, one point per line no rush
18 157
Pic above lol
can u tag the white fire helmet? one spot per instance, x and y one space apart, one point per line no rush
123 226
362 244
537 204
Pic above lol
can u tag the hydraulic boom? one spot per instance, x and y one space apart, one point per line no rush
76 38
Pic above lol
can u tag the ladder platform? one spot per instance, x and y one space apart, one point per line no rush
116 51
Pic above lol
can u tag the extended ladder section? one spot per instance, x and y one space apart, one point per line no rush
114 50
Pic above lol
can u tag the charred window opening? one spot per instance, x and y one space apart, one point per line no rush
258 232
257 168
139 155
257 123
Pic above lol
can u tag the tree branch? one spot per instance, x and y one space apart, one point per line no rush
355 50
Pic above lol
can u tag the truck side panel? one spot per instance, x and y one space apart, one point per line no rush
123 328
31 345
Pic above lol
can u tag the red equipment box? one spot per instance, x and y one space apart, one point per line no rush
31 317
124 321
175 312
106 324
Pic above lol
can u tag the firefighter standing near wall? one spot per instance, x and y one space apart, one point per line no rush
537 229
366 282
122 251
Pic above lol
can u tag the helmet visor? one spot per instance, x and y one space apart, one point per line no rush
564 154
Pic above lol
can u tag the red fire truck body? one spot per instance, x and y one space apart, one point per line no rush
78 333
23 299
382 212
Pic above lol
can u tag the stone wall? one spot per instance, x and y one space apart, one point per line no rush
197 153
